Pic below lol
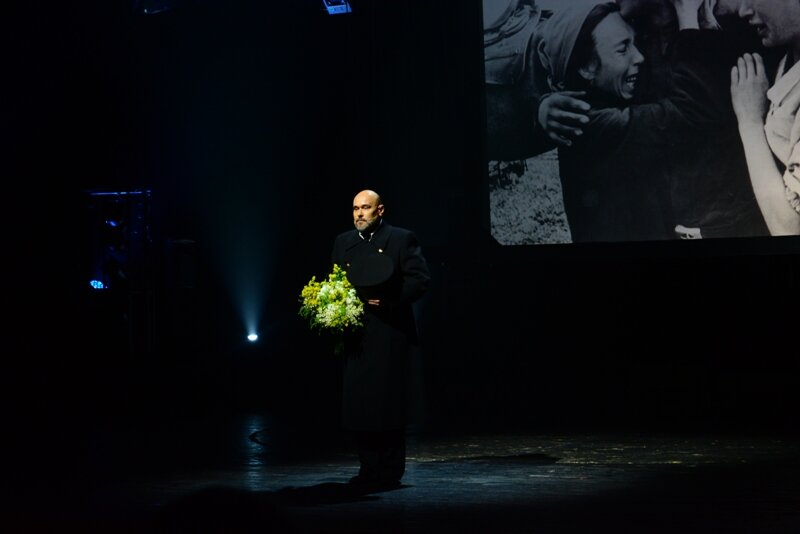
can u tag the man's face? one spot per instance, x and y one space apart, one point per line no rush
776 21
615 70
366 211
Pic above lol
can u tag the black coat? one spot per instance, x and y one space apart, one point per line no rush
382 385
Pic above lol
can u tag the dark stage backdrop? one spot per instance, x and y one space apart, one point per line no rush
253 124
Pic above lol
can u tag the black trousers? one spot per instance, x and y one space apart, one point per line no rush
382 454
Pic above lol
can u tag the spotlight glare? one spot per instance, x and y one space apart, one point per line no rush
252 337
97 284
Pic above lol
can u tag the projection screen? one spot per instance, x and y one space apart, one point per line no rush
661 155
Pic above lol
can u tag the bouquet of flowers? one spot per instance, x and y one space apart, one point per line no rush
332 305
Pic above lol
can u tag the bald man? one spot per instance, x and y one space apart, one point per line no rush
381 388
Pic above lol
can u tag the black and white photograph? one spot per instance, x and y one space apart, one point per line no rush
641 120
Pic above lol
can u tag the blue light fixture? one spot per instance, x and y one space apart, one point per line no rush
97 284
337 7
252 338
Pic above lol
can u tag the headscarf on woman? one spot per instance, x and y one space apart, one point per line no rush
557 38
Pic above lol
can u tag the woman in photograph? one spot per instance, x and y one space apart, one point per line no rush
772 145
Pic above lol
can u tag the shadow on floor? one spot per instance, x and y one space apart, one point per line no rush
326 493
224 509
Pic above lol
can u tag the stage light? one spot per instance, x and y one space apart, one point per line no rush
119 239
337 7
252 338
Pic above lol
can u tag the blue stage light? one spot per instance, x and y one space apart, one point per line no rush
97 284
337 7
252 338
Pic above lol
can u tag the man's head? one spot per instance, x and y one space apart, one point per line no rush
367 211
605 59
776 21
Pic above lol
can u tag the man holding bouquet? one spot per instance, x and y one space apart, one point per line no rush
381 388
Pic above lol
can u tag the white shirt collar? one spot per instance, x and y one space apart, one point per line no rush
380 222
785 81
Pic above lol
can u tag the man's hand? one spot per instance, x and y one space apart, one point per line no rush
374 302
562 114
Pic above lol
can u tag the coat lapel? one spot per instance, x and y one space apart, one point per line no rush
353 239
381 237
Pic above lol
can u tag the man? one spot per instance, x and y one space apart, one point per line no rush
386 266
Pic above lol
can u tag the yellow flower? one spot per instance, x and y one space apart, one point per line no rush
331 305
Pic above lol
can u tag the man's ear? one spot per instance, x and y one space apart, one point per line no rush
589 71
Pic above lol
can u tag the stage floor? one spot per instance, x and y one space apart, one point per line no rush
250 473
